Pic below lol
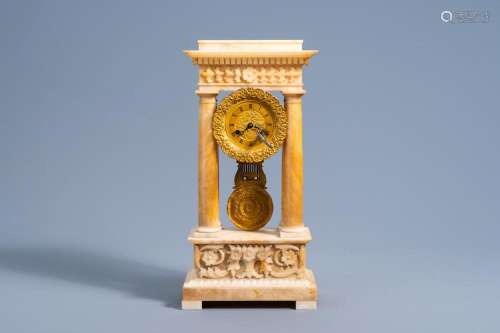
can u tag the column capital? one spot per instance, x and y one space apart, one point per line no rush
293 92
206 94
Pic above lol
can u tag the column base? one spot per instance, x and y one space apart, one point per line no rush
293 232
208 230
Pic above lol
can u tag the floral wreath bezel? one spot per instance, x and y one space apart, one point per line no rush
276 139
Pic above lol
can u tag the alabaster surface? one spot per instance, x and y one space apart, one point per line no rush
196 289
249 266
268 264
208 167
250 45
267 64
241 254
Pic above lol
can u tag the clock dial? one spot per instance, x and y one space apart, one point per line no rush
250 125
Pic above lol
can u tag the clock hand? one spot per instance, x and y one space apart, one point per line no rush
249 126
238 132
262 137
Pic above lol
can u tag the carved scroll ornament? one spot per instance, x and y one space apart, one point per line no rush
249 261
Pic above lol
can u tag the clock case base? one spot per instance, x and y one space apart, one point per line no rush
215 253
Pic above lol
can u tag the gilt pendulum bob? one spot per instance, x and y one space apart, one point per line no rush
250 125
250 207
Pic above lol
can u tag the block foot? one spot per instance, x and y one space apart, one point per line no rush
192 305
305 305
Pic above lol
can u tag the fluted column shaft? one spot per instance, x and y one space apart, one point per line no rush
208 168
292 168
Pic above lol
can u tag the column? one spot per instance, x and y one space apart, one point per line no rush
292 168
208 168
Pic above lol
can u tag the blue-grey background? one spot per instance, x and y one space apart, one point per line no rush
98 143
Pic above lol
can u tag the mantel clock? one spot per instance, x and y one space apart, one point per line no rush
250 262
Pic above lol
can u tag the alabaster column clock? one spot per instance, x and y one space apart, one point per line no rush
247 261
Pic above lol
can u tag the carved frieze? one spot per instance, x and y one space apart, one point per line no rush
247 75
249 261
